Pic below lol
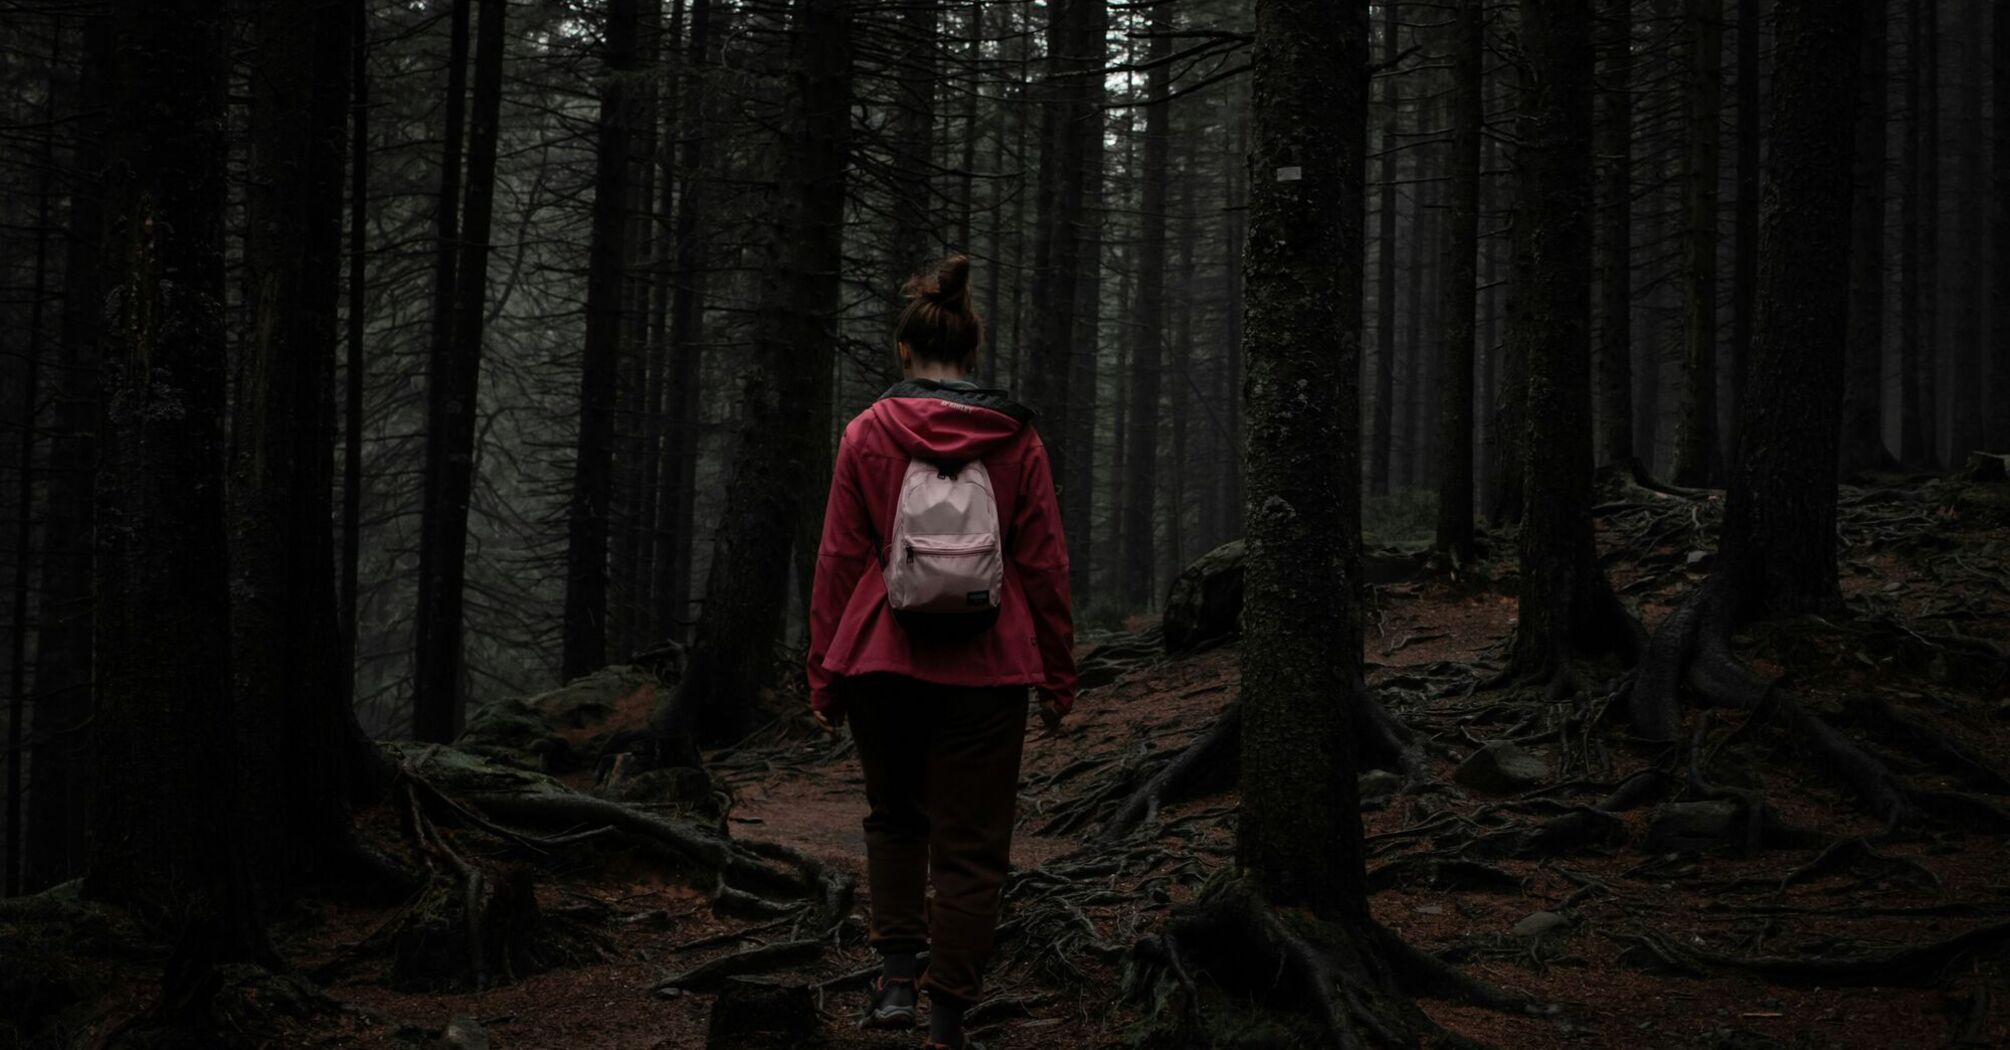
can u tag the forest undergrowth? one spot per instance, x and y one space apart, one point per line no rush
1742 888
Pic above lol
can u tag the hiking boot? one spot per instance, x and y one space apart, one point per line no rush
892 1004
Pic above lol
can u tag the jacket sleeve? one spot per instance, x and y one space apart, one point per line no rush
1040 552
843 555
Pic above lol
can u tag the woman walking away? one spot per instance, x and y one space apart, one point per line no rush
941 594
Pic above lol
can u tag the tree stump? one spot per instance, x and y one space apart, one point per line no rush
755 1014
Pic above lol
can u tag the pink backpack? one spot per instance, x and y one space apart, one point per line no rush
946 571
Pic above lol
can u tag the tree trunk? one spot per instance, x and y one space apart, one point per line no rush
60 764
1046 371
1076 468
733 654
585 643
166 840
687 322
1780 516
1969 300
1998 409
1914 439
302 745
1863 384
1299 835
453 390
1745 257
1615 235
1458 301
1566 605
1231 345
1180 402
1140 549
1927 67
352 369
24 503
911 147
1407 473
1381 444
1697 460
1503 474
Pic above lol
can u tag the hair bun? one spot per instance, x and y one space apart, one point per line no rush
952 279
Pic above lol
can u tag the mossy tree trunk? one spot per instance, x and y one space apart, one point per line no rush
1299 831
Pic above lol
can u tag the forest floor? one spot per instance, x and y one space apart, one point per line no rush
1659 945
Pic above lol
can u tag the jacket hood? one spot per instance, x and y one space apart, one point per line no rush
950 423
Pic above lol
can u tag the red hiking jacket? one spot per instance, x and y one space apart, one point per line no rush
853 631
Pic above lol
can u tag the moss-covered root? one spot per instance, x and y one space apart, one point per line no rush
1236 972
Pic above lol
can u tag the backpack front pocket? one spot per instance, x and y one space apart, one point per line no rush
946 574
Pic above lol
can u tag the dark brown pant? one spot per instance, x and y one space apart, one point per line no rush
942 776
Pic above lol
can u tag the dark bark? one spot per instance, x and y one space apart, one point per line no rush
1075 465
1780 516
453 387
1231 348
1299 835
1997 410
166 835
585 643
1566 604
1615 234
1047 371
911 145
1926 65
1149 323
1863 386
1777 555
61 757
630 620
24 508
302 745
733 656
1745 251
1408 472
1458 300
1914 448
1697 458
352 367
677 519
1502 477
1968 300
1381 443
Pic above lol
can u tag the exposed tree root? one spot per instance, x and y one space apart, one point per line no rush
767 958
1209 764
1917 964
1880 791
1856 854
1692 651
1930 745
1233 971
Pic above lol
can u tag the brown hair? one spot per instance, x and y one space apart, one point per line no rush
940 322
